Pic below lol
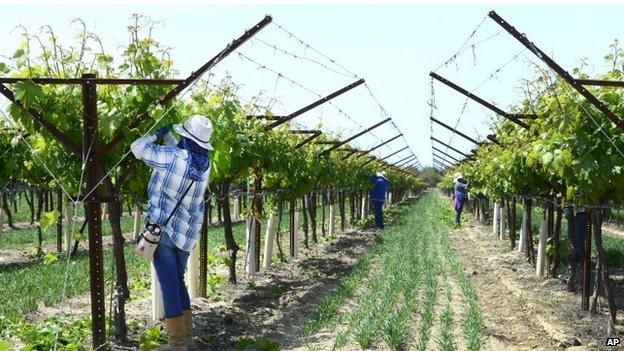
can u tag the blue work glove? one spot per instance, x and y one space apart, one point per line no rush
162 131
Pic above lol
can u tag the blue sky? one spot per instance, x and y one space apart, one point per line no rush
392 46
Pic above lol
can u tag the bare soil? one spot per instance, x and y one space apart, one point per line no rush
523 311
612 229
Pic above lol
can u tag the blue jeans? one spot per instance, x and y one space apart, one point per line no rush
378 207
458 213
170 264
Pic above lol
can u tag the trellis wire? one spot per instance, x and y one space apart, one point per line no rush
461 49
293 55
308 46
332 61
282 76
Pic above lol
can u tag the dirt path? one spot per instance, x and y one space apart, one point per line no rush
612 229
273 305
522 311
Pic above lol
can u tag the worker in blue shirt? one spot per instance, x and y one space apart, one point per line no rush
460 196
378 196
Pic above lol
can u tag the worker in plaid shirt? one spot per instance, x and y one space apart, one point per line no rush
175 165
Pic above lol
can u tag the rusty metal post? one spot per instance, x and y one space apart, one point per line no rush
315 104
375 147
586 269
443 162
293 230
491 107
308 139
385 157
492 138
325 152
449 146
203 253
93 212
59 221
257 213
408 161
454 130
445 154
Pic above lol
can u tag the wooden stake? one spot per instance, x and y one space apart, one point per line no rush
251 246
541 249
602 256
363 209
69 224
495 219
236 214
192 273
295 243
268 242
501 231
158 306
586 264
523 231
59 220
136 228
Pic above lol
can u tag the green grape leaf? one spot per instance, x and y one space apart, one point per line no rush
157 112
28 93
18 53
611 98
49 218
569 193
78 235
103 59
15 140
50 257
5 345
38 143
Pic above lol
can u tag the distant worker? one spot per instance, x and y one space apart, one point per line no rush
378 196
460 196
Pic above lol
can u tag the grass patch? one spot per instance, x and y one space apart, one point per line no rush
27 286
397 279
42 282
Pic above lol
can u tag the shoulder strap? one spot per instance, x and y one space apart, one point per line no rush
178 204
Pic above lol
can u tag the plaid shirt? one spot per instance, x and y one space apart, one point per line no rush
168 183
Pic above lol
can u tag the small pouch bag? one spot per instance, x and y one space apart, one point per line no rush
148 240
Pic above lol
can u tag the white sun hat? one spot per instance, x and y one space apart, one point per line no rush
457 176
382 174
197 128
